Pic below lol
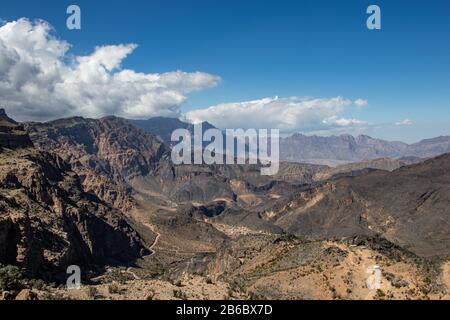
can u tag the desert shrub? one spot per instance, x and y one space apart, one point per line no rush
208 280
380 295
113 288
179 294
37 284
10 278
92 292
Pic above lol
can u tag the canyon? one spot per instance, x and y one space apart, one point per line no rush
105 195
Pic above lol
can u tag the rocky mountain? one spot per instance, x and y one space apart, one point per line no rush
429 148
408 207
164 127
12 135
119 162
331 151
93 191
105 153
48 220
362 167
336 150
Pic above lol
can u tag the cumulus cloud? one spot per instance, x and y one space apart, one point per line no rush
343 122
40 80
287 114
360 103
406 122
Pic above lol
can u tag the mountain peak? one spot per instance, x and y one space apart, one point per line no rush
12 135
4 117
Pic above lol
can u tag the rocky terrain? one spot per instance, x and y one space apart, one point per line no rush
12 135
337 150
330 151
162 127
47 219
105 153
105 195
407 206
363 167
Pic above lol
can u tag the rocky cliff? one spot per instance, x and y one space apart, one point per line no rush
408 206
336 150
12 135
106 153
48 221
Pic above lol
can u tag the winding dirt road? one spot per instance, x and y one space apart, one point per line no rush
158 235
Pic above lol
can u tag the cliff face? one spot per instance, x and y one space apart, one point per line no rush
344 149
48 221
408 206
12 135
105 153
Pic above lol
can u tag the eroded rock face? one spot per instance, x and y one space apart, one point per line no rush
337 150
408 206
12 135
48 221
106 153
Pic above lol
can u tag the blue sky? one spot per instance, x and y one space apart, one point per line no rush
296 48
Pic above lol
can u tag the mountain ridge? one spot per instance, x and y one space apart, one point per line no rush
322 150
47 219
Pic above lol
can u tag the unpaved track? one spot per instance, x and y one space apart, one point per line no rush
158 235
134 275
152 249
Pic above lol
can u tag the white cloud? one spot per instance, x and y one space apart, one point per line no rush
360 103
343 122
39 80
405 122
287 114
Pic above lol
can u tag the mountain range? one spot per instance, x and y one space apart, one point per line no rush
346 148
332 150
104 194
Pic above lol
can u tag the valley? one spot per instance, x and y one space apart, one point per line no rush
104 194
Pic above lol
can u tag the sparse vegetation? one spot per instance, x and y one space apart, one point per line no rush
10 278
92 292
179 294
114 288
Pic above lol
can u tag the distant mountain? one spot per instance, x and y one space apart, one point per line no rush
409 207
331 151
359 168
429 148
164 127
344 149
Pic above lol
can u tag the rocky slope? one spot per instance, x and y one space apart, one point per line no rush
12 135
118 162
336 150
218 231
332 151
47 219
106 153
408 206
363 167
164 127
